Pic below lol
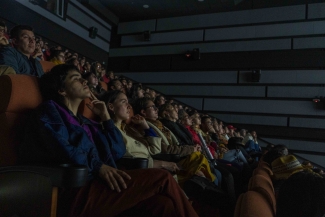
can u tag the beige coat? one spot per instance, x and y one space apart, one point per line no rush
139 146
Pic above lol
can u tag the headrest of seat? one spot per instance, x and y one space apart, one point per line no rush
47 66
19 93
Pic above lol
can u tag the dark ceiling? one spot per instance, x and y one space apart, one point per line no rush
132 10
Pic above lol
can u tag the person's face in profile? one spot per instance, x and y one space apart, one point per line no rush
75 87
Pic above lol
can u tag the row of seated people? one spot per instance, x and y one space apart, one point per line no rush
37 135
280 186
67 96
204 167
234 157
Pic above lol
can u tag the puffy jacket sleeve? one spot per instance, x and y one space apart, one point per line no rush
9 58
114 139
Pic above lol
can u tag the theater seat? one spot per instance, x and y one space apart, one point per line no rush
46 66
27 190
264 186
104 85
19 94
254 204
238 205
267 172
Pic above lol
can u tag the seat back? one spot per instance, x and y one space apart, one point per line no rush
46 66
254 204
238 205
264 186
267 172
19 94
104 85
25 194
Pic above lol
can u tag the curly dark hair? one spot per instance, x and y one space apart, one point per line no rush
140 104
53 81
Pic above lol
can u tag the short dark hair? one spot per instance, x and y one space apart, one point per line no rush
87 75
204 118
16 30
70 61
158 98
53 81
164 108
134 91
111 83
140 104
274 153
56 53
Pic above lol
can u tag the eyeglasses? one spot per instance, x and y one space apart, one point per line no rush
152 106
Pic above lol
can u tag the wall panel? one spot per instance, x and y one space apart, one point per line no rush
316 11
87 21
307 122
295 92
252 119
275 44
263 106
262 31
136 26
193 102
192 90
299 145
288 13
312 42
287 76
165 37
184 77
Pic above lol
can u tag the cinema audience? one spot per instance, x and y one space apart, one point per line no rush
57 134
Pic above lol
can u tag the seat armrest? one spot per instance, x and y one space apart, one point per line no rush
132 163
64 176
167 157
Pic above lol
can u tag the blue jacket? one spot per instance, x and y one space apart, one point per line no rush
55 136
9 56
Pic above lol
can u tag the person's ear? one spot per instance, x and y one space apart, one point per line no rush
143 113
14 41
110 107
62 92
